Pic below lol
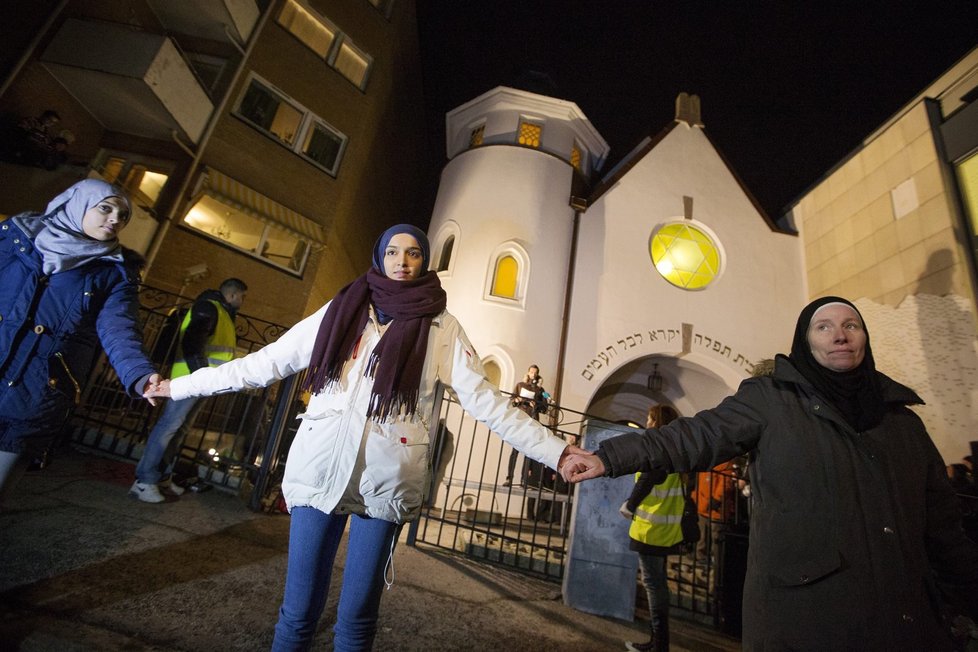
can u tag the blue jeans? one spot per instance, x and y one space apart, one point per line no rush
314 537
654 580
175 413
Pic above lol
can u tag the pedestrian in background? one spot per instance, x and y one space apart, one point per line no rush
206 338
655 508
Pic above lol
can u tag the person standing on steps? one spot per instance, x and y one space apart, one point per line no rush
527 396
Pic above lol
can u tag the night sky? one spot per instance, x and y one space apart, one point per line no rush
787 88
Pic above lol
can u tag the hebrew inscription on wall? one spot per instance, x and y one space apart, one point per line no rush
659 340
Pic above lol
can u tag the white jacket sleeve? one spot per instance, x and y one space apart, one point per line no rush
480 398
287 355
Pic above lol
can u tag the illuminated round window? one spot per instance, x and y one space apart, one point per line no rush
685 256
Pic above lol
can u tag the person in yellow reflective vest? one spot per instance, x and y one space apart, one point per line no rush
207 339
655 509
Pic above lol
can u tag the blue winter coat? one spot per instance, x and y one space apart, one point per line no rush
51 329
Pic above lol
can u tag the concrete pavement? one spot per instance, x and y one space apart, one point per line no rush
86 568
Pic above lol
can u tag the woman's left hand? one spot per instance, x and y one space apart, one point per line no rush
156 387
569 450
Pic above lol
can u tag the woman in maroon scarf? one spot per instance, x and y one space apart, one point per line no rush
376 354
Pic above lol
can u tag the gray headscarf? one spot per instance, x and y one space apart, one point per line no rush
58 234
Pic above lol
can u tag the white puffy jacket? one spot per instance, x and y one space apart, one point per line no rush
340 460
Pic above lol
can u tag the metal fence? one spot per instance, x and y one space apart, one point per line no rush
235 442
238 443
471 511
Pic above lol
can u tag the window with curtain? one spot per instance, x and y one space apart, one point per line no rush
314 31
274 114
244 231
329 42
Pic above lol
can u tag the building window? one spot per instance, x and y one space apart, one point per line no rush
508 275
291 124
505 278
323 144
314 31
330 43
530 134
492 371
142 177
445 259
475 138
270 112
443 249
576 157
685 255
222 220
353 63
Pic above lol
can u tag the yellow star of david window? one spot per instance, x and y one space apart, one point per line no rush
685 256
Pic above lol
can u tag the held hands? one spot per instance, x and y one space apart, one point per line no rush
156 387
153 381
570 451
577 467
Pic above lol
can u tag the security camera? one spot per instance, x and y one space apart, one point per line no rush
195 273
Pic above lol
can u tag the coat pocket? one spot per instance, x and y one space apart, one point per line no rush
395 466
796 549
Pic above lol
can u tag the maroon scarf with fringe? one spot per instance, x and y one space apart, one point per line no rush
396 362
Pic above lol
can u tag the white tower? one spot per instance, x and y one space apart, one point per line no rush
503 223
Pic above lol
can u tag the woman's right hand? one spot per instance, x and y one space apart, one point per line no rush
154 390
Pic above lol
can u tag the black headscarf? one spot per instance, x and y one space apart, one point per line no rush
855 393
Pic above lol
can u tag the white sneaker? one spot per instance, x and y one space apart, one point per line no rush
146 492
171 487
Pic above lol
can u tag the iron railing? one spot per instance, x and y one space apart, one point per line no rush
471 511
235 442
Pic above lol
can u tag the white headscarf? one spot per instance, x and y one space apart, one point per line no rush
58 234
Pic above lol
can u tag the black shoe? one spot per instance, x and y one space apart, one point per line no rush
42 461
506 483
640 647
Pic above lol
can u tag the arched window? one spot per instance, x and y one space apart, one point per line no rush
443 248
446 254
508 274
493 373
506 277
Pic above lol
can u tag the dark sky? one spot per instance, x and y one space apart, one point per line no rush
787 88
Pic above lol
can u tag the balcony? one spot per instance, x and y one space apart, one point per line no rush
214 20
131 81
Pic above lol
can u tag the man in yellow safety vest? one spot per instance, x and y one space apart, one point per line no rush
207 339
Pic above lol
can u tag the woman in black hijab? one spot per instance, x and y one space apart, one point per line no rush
856 539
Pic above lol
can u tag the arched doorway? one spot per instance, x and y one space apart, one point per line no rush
685 384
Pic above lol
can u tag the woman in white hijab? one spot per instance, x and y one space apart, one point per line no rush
67 286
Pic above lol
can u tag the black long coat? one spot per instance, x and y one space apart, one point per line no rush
851 533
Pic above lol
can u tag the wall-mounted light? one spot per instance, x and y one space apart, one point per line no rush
655 379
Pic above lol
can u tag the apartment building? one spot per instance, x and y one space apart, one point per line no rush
270 140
